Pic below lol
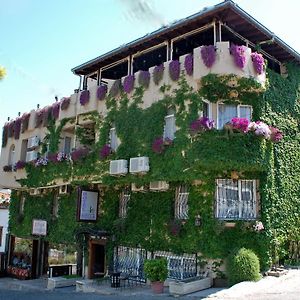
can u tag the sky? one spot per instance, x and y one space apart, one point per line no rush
41 41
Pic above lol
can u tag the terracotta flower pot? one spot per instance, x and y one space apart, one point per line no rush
157 287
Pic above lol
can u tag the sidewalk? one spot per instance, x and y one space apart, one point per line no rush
91 286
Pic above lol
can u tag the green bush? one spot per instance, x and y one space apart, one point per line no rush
156 269
243 265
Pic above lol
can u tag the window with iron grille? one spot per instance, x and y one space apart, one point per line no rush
181 203
113 139
236 199
123 204
170 126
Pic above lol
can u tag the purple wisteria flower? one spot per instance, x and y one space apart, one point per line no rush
258 62
144 78
84 97
201 124
189 64
158 145
20 164
10 128
52 157
55 110
42 161
79 154
105 151
276 134
17 128
240 124
101 92
65 102
174 70
128 83
25 121
238 53
115 88
61 156
208 55
158 73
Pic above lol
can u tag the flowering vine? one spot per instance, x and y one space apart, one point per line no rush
65 102
20 164
105 151
174 70
158 73
258 62
201 124
101 92
17 128
55 110
258 226
189 64
238 53
115 88
79 154
208 55
158 145
128 83
42 161
144 78
84 97
25 121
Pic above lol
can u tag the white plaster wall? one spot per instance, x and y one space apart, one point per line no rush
4 224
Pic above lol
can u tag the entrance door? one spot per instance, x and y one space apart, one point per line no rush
97 259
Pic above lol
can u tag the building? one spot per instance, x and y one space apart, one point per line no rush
155 155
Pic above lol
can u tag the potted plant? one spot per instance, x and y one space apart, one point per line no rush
157 272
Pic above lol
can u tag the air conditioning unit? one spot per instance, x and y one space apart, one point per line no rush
63 189
34 192
31 155
137 188
139 165
159 186
33 142
118 167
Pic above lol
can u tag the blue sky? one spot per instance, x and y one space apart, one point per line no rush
42 40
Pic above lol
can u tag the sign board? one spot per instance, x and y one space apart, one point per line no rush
87 209
39 227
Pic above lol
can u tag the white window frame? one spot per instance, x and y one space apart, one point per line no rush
64 145
238 111
240 203
169 133
124 198
181 207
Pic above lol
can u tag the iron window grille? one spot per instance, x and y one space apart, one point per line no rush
123 206
181 203
236 199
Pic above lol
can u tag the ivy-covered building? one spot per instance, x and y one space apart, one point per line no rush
182 144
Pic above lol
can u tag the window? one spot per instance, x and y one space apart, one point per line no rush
55 206
124 198
67 145
22 204
23 150
236 199
11 158
181 203
205 109
1 233
170 126
228 111
113 138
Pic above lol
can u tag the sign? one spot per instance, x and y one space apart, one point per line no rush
39 227
87 205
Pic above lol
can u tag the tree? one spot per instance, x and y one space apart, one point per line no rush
2 73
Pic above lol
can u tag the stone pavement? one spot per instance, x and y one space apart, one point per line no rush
91 286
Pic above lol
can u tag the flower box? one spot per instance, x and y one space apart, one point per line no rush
19 273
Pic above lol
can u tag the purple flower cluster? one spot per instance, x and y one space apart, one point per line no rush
115 88
55 110
20 164
79 154
144 78
158 145
25 121
84 97
201 124
42 161
276 135
258 62
174 70
240 124
189 64
101 92
128 83
58 157
238 53
65 102
105 151
158 73
10 128
17 128
208 55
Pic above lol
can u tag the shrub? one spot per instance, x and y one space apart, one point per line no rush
156 269
243 265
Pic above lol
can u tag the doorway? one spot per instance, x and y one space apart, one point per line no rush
97 259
